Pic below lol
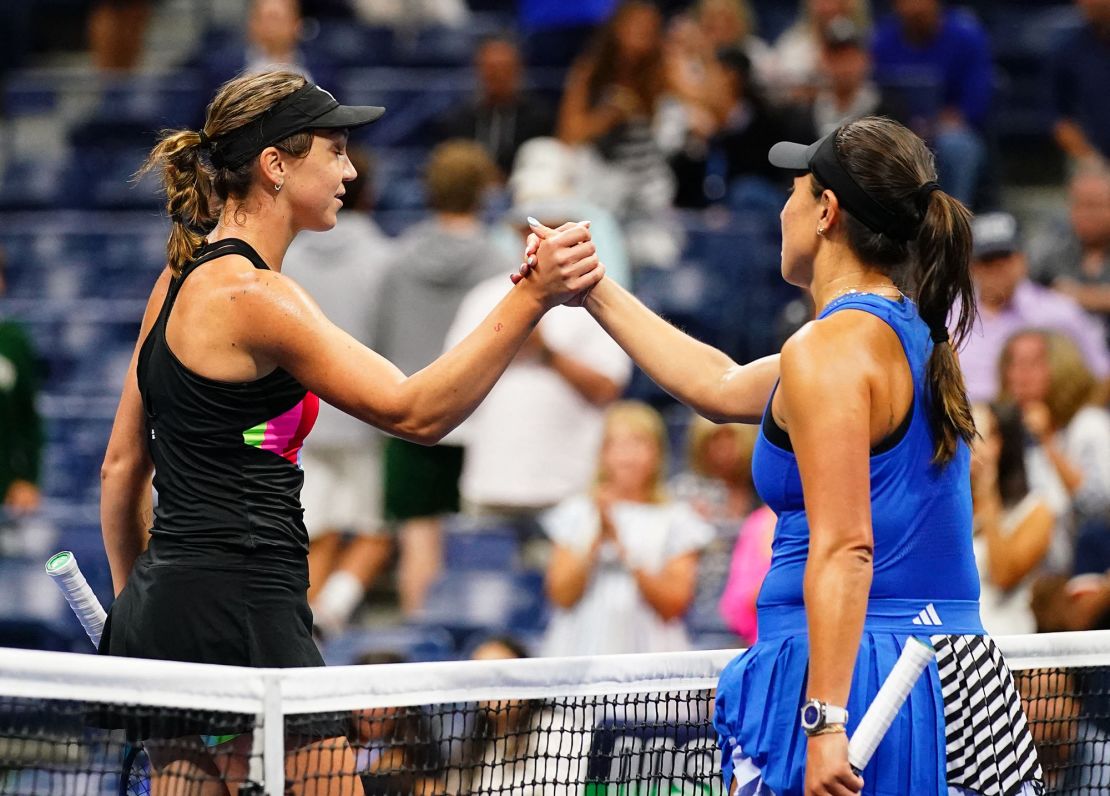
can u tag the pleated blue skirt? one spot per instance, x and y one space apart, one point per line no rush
761 692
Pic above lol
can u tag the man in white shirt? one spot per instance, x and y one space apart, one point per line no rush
534 440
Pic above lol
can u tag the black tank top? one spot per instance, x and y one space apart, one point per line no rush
226 454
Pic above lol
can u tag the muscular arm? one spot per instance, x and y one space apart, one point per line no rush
695 373
279 321
826 396
125 490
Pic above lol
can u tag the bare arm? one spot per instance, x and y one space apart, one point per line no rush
594 386
695 373
826 397
125 491
279 321
670 590
568 574
1012 556
1071 138
579 122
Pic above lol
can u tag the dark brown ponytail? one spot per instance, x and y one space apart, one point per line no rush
942 282
895 167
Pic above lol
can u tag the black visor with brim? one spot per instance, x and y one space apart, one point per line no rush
821 159
307 108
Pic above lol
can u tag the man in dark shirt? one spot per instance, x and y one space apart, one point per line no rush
502 116
1080 76
937 61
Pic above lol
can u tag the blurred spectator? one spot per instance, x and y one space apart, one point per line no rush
1062 604
1074 753
731 24
717 483
395 748
521 746
939 62
798 49
1013 524
21 435
343 270
533 441
751 126
1076 259
1080 70
434 265
1069 463
846 91
751 558
116 29
543 185
695 73
502 116
1008 301
412 14
273 41
625 560
612 109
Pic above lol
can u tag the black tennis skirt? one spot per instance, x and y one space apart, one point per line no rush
236 609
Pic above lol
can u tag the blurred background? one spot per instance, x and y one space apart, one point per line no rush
652 120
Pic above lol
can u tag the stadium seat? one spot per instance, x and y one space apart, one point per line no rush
408 643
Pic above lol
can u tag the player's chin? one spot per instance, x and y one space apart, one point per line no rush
324 221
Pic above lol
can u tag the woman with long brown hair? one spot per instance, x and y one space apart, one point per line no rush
223 386
863 455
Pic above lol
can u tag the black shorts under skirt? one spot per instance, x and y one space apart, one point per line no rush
234 609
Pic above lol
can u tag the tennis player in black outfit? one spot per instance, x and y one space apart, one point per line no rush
223 388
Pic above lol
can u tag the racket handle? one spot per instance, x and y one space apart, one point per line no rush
892 695
62 567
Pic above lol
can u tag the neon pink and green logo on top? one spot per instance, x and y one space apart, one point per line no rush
285 434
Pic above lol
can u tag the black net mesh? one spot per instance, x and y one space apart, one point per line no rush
75 748
627 745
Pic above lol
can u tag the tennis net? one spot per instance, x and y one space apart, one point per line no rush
632 725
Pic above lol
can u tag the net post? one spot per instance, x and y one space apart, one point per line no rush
273 735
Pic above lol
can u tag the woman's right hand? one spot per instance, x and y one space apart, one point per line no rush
560 263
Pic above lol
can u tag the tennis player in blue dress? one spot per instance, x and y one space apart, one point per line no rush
863 455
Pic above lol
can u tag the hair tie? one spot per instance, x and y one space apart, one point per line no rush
205 141
924 194
938 333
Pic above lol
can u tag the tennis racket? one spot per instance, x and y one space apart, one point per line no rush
62 567
915 657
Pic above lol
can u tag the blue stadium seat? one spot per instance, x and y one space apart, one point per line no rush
469 602
480 548
408 643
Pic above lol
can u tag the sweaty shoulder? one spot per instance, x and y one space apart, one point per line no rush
848 337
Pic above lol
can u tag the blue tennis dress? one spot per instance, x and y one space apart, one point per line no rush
962 727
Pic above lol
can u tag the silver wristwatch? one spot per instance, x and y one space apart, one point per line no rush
817 716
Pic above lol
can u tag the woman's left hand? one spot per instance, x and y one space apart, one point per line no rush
827 770
1038 420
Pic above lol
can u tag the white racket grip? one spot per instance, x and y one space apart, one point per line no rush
892 695
63 568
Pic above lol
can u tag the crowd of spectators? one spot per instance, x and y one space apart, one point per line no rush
669 107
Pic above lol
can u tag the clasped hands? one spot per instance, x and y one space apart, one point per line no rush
562 261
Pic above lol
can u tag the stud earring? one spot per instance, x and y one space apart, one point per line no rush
820 230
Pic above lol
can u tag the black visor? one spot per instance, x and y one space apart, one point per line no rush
821 159
307 108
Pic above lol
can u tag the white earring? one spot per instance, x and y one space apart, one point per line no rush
820 230
277 186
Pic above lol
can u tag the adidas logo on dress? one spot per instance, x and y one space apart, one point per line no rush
928 616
